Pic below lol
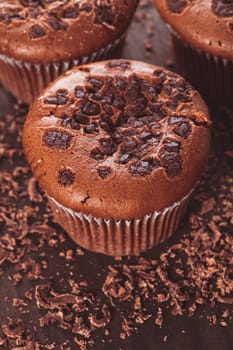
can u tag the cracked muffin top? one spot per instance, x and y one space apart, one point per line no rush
118 139
205 24
58 30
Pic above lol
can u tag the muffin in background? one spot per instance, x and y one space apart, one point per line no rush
118 146
202 34
39 40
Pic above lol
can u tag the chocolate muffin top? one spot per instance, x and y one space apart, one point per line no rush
205 24
117 139
58 30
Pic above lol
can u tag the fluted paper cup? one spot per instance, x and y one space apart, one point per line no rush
211 75
25 80
120 237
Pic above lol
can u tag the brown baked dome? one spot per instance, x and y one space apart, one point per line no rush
57 30
205 24
118 139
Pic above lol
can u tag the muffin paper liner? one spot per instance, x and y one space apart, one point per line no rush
211 75
120 237
26 80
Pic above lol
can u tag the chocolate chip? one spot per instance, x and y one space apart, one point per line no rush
59 99
118 64
34 13
80 118
96 83
124 158
133 89
97 96
176 119
71 12
107 97
160 74
120 83
177 6
36 31
122 119
10 14
154 126
148 88
86 7
107 108
180 96
137 109
51 100
138 123
146 135
66 177
172 162
56 23
117 137
79 92
65 120
57 139
91 129
107 124
183 129
108 146
155 139
97 154
172 105
30 3
155 107
104 14
104 171
144 167
62 97
128 145
171 145
90 108
74 124
119 102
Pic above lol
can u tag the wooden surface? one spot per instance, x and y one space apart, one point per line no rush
176 332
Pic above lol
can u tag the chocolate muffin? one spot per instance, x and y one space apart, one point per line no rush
202 39
40 39
118 146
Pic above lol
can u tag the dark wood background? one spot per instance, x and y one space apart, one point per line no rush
148 40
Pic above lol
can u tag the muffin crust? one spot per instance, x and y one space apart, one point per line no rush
118 139
30 28
205 24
